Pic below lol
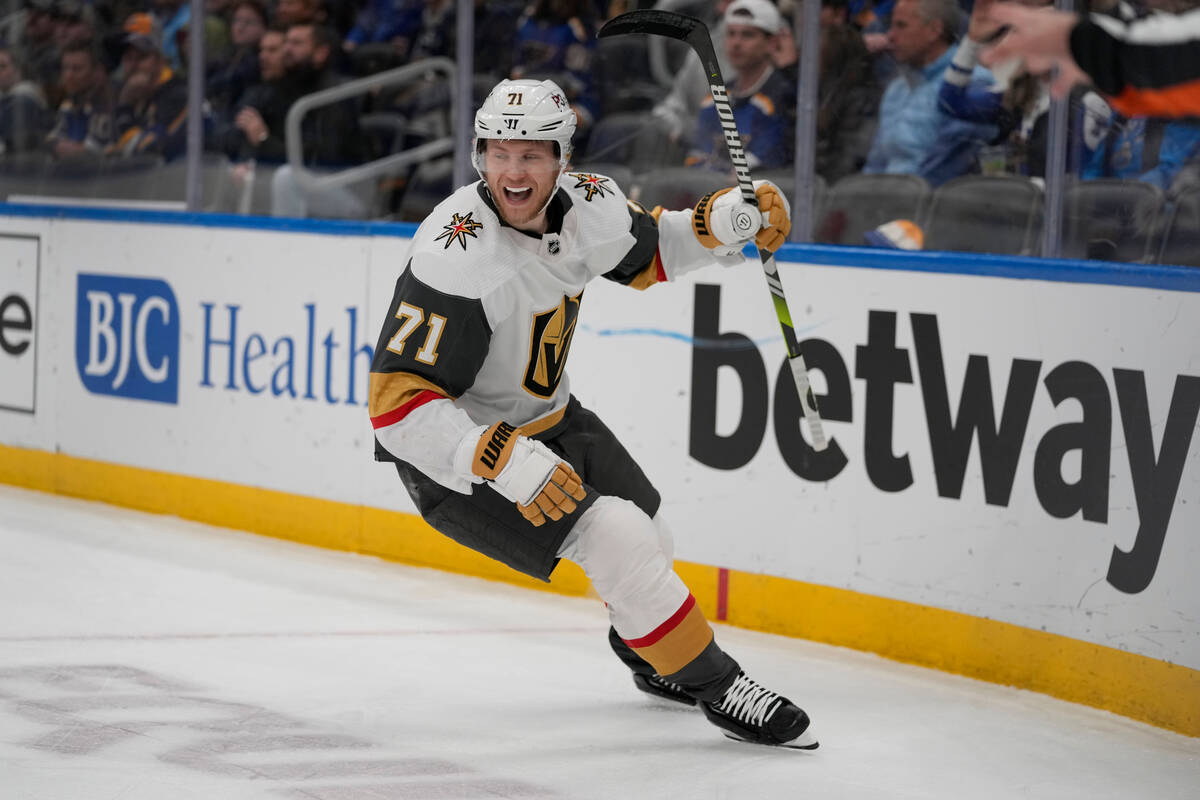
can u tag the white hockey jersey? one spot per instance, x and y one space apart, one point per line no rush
483 315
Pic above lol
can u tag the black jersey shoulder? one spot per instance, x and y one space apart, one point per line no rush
439 336
644 228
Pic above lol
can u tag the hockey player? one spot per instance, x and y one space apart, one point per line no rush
470 399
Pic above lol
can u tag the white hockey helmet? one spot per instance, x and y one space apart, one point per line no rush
525 109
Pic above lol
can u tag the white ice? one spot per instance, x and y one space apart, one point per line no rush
148 657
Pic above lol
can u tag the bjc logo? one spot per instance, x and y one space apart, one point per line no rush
127 337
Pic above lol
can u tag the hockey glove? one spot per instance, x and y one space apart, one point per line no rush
724 222
776 216
528 473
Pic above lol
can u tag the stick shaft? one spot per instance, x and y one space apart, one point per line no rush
695 33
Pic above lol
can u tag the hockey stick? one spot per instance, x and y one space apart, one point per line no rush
695 33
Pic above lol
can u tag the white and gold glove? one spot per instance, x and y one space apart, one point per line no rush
522 470
724 222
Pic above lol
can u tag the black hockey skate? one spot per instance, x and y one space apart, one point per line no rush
658 687
752 713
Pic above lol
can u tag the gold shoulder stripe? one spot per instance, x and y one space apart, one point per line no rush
390 390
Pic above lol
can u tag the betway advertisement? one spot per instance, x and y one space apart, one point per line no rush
1021 450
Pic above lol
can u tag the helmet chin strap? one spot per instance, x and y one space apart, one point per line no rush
562 167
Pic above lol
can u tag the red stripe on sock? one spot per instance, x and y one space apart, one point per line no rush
399 413
658 633
722 594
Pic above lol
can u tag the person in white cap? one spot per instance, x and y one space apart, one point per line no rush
470 399
760 95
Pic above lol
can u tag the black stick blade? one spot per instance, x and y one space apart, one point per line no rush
653 21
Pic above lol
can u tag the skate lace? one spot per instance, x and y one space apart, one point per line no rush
747 701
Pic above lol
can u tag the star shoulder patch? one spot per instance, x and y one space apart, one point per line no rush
592 184
459 228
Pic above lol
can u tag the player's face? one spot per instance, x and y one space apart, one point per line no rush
521 176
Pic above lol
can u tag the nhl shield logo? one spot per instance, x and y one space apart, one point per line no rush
552 247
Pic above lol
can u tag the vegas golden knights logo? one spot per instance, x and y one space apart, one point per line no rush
592 184
550 341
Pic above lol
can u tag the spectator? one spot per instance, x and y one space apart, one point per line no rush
171 15
496 28
116 48
218 47
868 15
678 111
495 31
84 124
231 79
434 33
873 20
847 103
152 104
1019 106
271 62
256 132
834 12
23 117
760 95
38 50
914 135
75 23
1152 150
298 12
383 21
329 135
417 29
785 50
555 40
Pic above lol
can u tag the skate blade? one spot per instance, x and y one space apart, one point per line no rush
803 742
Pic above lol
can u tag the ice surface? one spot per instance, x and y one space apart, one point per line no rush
148 657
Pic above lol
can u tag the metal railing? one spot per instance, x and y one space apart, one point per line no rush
317 179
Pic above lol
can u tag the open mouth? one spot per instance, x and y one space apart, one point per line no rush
516 196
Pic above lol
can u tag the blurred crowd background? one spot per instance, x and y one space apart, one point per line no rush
915 144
